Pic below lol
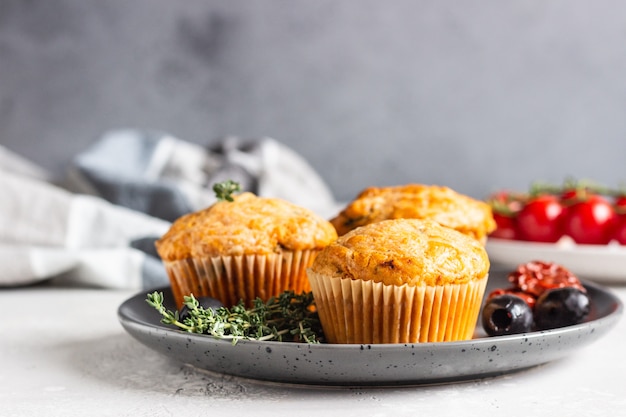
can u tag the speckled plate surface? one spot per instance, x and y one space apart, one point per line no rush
370 365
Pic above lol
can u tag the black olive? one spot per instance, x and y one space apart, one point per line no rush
561 307
506 314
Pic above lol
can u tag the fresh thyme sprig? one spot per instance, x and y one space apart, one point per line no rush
224 190
289 317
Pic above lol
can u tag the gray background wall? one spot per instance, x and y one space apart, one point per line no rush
477 95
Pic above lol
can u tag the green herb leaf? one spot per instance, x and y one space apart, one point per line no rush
224 190
289 317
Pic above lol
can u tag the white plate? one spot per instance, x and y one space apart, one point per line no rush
369 365
602 263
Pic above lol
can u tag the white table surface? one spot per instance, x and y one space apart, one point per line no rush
64 353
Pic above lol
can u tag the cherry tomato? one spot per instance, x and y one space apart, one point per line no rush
573 194
620 201
506 228
620 204
507 202
590 221
619 231
540 220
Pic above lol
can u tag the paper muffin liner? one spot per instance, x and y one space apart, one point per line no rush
244 277
366 312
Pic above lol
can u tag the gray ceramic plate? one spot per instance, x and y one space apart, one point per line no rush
369 365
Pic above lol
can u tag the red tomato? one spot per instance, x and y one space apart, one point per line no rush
590 221
506 228
540 220
507 202
573 194
621 201
620 204
619 231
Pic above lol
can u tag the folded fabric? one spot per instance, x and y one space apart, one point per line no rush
98 226
166 177
48 232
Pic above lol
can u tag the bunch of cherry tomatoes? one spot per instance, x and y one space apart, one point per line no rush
587 212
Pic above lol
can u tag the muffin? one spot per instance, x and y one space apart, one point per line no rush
240 250
417 201
399 281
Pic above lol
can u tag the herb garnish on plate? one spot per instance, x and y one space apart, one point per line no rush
288 317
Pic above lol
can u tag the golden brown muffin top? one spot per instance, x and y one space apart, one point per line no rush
417 201
404 251
248 225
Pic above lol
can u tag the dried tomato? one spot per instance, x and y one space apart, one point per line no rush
528 298
538 276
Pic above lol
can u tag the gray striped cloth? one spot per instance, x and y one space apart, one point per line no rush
98 226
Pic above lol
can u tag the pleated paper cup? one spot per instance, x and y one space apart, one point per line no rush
244 277
367 312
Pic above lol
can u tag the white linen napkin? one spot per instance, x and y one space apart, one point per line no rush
99 225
